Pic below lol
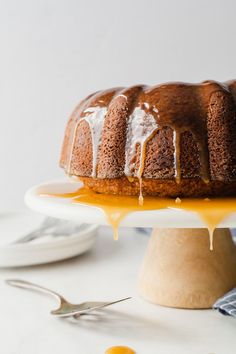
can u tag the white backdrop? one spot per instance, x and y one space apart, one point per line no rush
54 52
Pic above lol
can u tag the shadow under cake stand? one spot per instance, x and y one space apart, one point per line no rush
178 269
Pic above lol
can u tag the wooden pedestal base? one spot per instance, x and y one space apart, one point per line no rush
179 270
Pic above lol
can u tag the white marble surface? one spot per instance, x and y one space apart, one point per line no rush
108 271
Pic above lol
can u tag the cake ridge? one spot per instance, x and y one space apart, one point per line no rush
115 130
174 113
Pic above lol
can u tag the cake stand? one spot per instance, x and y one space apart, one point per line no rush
178 270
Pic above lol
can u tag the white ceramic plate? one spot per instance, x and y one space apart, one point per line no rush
64 209
14 225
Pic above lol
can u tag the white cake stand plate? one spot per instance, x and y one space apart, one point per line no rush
178 270
63 208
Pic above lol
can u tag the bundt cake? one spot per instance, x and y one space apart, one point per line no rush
178 139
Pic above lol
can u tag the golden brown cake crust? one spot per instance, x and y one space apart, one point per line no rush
160 188
194 141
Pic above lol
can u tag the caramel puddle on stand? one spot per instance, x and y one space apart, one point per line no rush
119 350
116 207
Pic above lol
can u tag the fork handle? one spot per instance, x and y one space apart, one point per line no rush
31 286
32 235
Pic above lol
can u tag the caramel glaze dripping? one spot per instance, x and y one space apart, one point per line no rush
177 167
142 164
71 131
116 207
98 99
141 127
113 138
177 106
180 106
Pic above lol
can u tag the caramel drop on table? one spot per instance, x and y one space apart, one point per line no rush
119 350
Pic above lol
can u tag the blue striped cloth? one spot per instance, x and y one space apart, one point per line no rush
233 232
227 303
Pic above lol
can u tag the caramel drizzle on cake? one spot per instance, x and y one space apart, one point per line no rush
95 120
141 126
176 142
93 111
139 113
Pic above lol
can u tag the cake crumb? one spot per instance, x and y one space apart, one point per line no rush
177 200
130 179
206 199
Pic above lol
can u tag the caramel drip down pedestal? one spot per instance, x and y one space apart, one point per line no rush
180 271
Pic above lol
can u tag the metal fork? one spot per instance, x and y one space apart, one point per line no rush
65 309
47 224
52 227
